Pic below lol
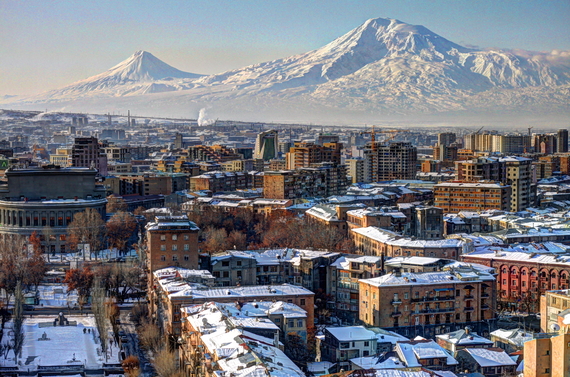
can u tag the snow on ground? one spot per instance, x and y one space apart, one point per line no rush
67 345
101 255
56 296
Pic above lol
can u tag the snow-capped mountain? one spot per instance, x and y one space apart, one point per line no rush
141 73
380 68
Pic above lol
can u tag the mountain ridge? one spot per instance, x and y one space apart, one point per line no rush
384 66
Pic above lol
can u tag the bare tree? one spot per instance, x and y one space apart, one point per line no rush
13 263
150 337
18 320
120 228
165 363
115 204
87 227
99 312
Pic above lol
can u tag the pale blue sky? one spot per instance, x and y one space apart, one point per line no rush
45 44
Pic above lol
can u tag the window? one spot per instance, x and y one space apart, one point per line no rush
186 237
300 323
291 323
225 263
238 274
163 258
238 263
162 247
186 247
163 237
366 344
406 295
302 301
186 257
226 274
175 258
458 292
174 237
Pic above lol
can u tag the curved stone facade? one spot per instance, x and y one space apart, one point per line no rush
44 200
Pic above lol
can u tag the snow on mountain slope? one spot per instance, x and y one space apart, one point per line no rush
139 74
383 67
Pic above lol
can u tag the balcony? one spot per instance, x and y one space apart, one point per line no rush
484 295
396 314
485 307
469 308
440 310
468 297
424 299
396 301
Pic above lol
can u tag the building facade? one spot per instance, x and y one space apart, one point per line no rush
44 200
172 241
428 303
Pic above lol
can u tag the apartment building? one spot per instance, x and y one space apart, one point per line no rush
428 303
512 171
525 272
554 309
357 170
548 356
86 152
375 241
168 295
219 339
217 181
323 180
348 270
344 343
171 241
305 154
454 197
390 161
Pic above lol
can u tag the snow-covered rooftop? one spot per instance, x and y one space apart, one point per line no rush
391 238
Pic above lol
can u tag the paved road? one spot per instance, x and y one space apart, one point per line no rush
133 348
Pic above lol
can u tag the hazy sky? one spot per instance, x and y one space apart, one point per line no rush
46 44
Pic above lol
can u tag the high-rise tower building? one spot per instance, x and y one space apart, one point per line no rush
446 138
389 161
303 154
266 145
562 141
86 152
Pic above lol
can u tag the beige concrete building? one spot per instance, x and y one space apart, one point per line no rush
547 357
429 303
375 241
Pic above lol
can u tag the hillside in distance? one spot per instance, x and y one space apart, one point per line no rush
384 68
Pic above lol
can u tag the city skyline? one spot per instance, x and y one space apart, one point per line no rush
49 45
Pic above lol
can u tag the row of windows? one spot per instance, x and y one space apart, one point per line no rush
175 247
174 258
174 237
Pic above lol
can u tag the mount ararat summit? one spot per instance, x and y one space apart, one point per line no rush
381 69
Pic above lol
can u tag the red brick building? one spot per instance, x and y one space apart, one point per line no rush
525 273
172 241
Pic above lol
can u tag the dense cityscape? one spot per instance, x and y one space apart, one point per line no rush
141 246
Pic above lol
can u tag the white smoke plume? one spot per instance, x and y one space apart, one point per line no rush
203 120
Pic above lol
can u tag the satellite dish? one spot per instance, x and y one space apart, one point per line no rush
555 327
